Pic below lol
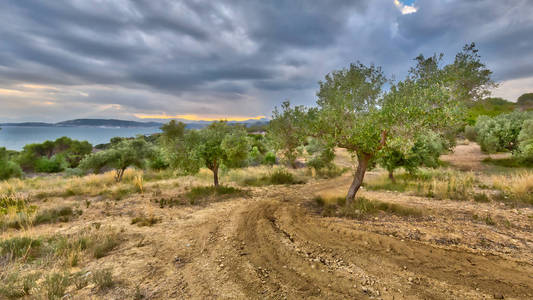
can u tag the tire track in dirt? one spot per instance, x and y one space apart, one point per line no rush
285 253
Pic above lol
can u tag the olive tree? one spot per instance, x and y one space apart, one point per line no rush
354 112
217 145
119 157
285 131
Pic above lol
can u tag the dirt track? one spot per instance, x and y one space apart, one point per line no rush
272 246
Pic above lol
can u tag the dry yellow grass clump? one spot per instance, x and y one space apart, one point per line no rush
518 186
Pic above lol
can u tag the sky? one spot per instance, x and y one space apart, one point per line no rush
233 59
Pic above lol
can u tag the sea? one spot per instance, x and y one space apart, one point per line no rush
15 137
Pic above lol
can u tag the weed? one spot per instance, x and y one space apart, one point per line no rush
104 245
202 192
54 215
277 176
481 197
489 221
18 247
517 186
81 280
12 286
103 279
362 206
319 201
145 221
55 285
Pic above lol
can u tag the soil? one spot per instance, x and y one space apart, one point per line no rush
274 244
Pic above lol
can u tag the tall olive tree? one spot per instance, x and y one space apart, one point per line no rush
355 113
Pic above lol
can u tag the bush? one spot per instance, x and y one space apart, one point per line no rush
501 132
200 192
17 247
270 159
55 285
8 168
277 176
525 140
103 279
50 165
54 215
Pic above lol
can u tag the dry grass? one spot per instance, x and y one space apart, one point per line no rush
362 206
438 184
517 186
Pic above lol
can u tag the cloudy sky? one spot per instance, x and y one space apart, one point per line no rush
201 59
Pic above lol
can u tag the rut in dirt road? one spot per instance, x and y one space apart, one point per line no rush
280 251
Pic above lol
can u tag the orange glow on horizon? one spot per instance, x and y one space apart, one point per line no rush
193 117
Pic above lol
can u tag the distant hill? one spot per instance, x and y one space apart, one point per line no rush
87 123
121 123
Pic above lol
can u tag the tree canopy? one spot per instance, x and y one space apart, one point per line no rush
119 156
217 145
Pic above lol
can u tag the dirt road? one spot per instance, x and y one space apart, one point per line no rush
272 246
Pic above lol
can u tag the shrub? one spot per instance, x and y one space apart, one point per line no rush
270 159
50 165
276 176
17 247
8 168
363 206
200 192
55 285
525 140
103 279
13 286
501 132
104 245
62 214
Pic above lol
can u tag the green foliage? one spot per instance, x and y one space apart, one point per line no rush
55 285
321 155
270 159
8 168
500 133
525 100
217 145
488 107
525 140
13 285
276 176
202 192
55 164
286 131
17 247
119 157
62 214
103 279
54 156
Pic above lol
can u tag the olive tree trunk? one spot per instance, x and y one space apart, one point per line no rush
215 176
363 161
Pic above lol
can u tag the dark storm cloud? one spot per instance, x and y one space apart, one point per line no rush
236 56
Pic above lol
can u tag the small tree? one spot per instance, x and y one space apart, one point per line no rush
217 145
286 131
119 157
8 168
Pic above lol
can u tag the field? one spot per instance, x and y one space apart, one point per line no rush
464 231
